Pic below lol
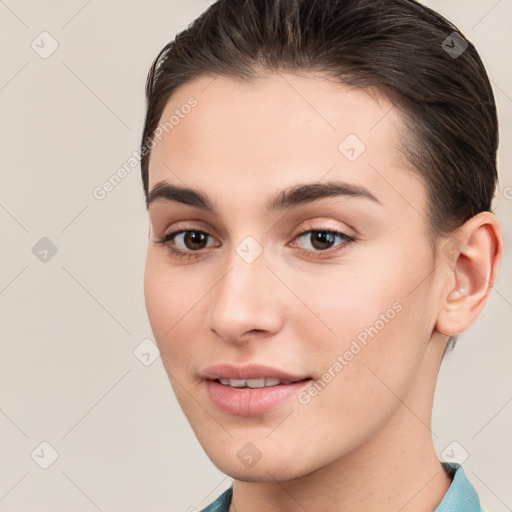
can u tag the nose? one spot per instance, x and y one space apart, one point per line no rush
245 303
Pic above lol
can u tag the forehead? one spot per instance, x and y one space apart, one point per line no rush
280 129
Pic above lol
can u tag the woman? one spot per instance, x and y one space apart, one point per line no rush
318 176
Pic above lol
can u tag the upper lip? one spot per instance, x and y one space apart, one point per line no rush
250 371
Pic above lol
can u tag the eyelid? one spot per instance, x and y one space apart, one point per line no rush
164 239
324 225
183 226
162 217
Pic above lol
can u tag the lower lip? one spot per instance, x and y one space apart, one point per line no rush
251 401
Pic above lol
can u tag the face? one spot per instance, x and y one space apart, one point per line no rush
300 262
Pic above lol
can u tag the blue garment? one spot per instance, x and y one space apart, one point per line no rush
221 504
461 496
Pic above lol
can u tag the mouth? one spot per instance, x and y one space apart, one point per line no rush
251 375
250 390
267 382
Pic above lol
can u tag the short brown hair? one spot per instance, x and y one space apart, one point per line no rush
395 45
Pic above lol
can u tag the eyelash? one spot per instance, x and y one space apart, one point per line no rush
169 237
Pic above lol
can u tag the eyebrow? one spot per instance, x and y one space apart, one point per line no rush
284 199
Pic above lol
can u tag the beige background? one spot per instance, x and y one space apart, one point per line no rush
70 325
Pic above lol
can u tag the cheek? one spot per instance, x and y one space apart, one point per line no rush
168 304
371 317
345 302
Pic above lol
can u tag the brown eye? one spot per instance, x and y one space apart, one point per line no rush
195 240
322 240
323 243
187 242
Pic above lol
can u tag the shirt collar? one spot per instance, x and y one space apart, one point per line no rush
461 495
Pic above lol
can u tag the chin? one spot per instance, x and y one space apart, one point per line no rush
279 466
260 473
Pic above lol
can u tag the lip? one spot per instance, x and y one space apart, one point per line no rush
250 401
251 371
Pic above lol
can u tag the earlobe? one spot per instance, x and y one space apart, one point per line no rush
471 272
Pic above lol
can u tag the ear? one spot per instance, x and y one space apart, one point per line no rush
470 258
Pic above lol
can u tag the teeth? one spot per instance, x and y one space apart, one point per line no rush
237 383
253 383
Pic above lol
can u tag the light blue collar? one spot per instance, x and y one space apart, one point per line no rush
461 495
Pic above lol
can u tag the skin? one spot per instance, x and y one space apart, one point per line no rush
364 442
